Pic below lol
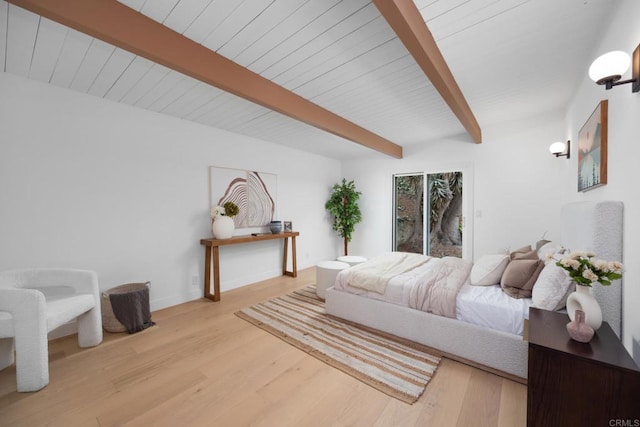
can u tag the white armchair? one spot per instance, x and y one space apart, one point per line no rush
34 302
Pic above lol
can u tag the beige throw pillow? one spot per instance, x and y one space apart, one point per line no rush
522 250
524 255
520 276
488 270
550 250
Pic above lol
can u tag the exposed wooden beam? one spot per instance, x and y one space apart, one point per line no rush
121 26
404 18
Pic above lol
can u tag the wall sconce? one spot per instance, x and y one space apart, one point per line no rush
560 149
608 69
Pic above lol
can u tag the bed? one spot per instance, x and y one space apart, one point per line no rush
594 226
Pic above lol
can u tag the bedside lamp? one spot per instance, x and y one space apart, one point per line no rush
560 149
609 68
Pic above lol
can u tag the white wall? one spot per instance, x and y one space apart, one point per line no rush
88 183
514 183
624 151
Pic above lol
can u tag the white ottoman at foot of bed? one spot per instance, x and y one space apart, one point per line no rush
326 272
352 259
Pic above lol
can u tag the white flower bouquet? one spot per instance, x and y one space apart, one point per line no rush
217 211
585 269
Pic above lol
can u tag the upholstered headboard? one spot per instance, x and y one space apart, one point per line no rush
596 226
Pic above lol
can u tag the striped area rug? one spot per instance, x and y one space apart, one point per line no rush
395 367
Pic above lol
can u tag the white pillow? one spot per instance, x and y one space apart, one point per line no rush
552 288
488 270
550 249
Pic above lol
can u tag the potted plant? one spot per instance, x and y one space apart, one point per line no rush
343 206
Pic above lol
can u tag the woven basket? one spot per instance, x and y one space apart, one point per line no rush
109 321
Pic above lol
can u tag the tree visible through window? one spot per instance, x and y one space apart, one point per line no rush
443 195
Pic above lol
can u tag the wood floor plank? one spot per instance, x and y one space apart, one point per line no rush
57 400
398 413
126 405
290 399
513 405
228 380
343 406
201 366
482 400
446 392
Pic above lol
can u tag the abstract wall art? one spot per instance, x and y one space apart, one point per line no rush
254 193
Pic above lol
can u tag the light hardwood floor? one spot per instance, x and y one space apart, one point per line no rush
203 366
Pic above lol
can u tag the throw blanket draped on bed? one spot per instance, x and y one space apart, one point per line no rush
433 282
375 274
436 292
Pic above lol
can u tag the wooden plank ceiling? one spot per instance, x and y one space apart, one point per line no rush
341 55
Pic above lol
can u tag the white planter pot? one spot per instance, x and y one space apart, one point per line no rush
582 299
223 227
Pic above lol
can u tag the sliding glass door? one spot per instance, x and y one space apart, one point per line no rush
409 229
428 215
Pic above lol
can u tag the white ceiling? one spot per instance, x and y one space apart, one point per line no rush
511 58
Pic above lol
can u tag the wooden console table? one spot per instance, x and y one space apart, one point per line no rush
212 247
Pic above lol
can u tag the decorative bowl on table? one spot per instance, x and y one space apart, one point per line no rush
275 227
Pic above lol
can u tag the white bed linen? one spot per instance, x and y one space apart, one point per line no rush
490 307
485 306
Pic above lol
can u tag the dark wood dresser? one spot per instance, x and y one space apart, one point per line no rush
576 384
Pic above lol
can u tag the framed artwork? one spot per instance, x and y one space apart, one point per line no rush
592 150
253 192
288 227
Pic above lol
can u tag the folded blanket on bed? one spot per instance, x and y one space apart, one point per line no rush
437 290
375 274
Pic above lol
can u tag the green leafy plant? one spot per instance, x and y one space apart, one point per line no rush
231 209
343 206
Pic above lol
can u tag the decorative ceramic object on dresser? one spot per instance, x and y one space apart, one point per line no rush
582 300
578 330
275 226
222 220
586 270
